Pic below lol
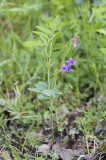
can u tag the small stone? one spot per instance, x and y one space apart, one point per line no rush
44 148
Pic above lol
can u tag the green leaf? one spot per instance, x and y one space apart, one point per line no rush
44 29
42 49
56 54
39 43
60 128
34 90
57 36
44 40
52 25
58 46
52 92
29 44
41 34
42 96
96 3
15 152
101 31
48 92
5 62
22 86
26 9
104 41
45 93
79 2
46 114
57 71
103 50
40 86
2 102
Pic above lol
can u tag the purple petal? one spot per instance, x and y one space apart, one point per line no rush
64 68
71 60
75 44
67 62
78 39
47 14
75 62
5 72
69 69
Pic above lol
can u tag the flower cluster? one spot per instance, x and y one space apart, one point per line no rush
47 14
68 68
75 42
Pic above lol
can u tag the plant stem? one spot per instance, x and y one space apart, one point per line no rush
94 66
49 87
77 87
44 105
49 75
51 107
87 144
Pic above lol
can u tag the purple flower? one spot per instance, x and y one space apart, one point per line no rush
5 72
64 68
78 39
47 14
69 69
71 62
75 44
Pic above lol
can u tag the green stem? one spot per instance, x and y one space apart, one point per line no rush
51 107
87 144
55 110
44 105
77 87
49 87
94 66
48 76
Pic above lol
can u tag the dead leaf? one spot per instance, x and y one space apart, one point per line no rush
39 134
79 143
65 154
44 148
50 143
73 115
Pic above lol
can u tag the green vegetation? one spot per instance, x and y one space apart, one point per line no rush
40 104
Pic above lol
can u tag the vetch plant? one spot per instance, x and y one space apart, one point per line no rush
68 68
51 49
75 42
